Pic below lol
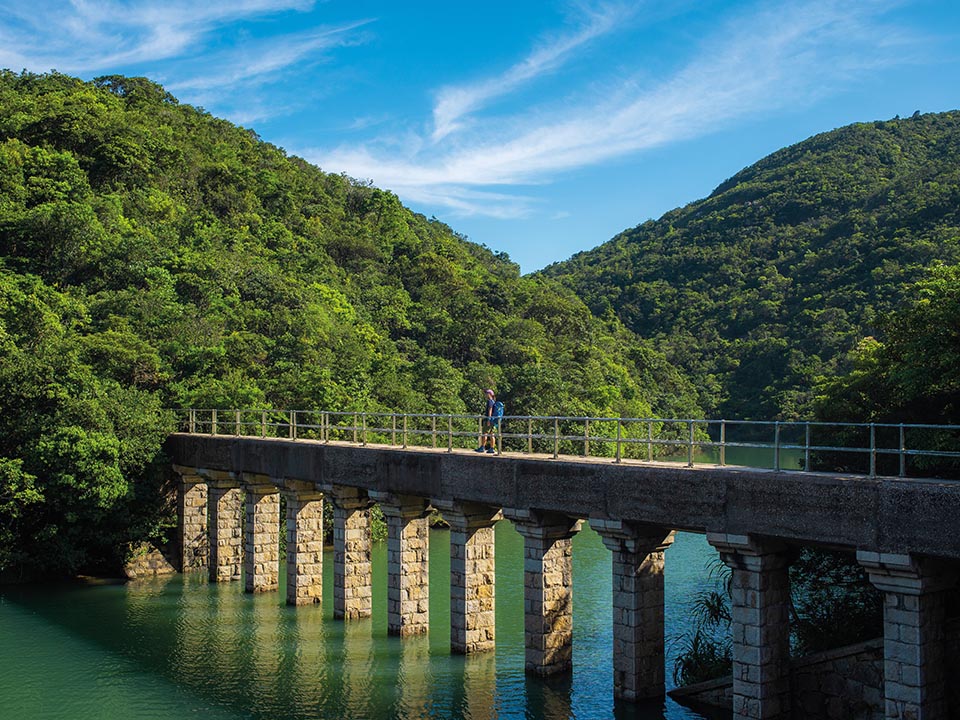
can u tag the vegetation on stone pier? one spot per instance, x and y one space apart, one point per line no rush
832 604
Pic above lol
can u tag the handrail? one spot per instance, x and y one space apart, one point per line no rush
881 449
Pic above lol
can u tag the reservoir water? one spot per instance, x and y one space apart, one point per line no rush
180 647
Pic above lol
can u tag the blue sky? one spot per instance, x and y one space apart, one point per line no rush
537 128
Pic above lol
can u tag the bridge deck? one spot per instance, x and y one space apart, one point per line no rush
881 514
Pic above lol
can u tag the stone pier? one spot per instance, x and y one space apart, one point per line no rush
472 575
352 573
638 630
408 543
192 520
760 625
304 543
548 588
914 633
261 534
226 526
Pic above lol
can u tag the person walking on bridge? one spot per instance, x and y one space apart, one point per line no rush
488 441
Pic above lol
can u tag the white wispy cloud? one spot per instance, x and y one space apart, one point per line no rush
259 59
454 103
83 36
178 42
755 64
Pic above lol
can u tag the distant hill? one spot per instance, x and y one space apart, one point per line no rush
153 256
760 290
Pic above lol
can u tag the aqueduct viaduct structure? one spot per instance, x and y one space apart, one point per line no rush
906 532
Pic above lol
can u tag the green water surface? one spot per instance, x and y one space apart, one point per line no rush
181 647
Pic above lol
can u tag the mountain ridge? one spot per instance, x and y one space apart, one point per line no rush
761 289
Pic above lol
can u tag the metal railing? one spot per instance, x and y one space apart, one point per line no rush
868 448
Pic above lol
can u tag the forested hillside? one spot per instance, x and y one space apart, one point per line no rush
153 256
762 290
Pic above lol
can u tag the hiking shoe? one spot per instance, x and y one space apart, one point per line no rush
479 449
491 451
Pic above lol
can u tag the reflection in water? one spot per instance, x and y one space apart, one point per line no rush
182 646
304 668
414 678
480 687
263 656
647 710
356 665
549 697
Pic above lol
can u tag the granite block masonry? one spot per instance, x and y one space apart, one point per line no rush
304 564
472 575
192 520
760 625
226 527
547 588
261 534
638 631
914 632
408 587
352 570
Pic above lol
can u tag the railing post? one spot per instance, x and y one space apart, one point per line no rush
873 450
355 427
556 437
363 436
433 429
393 428
530 435
903 452
806 448
649 440
723 443
619 435
450 433
690 444
586 437
776 445
213 422
192 421
404 429
263 423
236 423
325 422
293 424
498 438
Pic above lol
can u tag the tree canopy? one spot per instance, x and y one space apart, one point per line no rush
153 256
761 290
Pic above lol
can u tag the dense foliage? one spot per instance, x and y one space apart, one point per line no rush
913 376
152 256
761 290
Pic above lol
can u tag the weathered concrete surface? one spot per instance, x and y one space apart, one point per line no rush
921 517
